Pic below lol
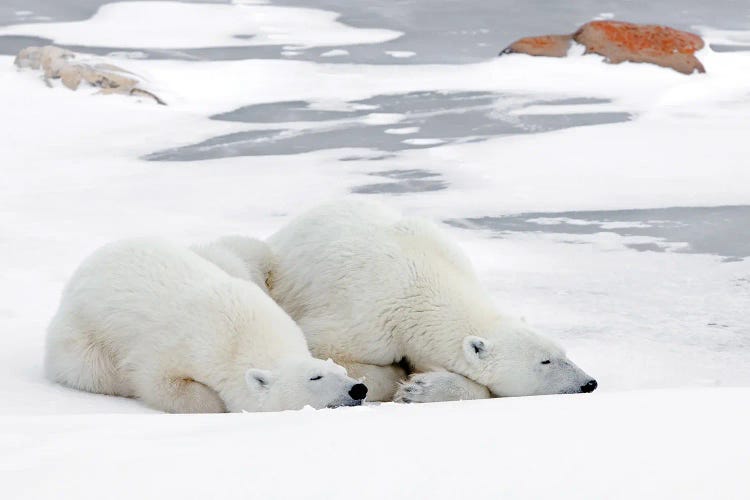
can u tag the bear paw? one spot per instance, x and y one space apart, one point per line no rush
432 387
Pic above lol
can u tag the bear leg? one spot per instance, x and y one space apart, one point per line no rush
178 394
74 358
432 387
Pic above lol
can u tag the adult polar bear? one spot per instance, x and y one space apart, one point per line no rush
372 289
154 320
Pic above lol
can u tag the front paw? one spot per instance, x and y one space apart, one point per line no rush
432 387
413 390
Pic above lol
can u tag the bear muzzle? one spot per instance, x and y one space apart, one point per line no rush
358 392
589 386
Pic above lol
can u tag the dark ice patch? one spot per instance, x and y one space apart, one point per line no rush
403 181
723 231
438 117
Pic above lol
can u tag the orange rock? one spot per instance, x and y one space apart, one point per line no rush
548 45
660 45
620 41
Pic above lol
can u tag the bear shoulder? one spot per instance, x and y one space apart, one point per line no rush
424 236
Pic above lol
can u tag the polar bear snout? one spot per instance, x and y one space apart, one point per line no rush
589 386
358 392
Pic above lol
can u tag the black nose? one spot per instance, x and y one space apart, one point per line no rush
590 386
358 391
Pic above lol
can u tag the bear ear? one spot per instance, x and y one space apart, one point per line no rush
475 348
258 379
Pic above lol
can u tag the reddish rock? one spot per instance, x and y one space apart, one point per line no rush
649 43
620 41
548 45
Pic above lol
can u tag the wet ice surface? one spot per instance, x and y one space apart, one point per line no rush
440 31
24 11
386 123
723 231
433 32
403 181
452 31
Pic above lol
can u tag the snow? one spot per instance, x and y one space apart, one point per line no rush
402 130
382 118
651 444
400 54
726 36
423 142
665 333
142 25
335 53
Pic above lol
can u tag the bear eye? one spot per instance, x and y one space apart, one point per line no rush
317 378
546 362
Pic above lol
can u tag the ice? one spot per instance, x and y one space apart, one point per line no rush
174 25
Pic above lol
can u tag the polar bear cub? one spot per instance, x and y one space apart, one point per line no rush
375 290
149 319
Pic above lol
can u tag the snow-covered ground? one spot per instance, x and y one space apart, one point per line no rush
654 304
653 444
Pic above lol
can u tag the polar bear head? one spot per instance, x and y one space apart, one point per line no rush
513 360
295 384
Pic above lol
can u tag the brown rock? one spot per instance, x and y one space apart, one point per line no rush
70 75
53 59
548 45
618 42
108 79
56 62
30 57
649 43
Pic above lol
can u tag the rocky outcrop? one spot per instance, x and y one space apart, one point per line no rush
660 45
619 41
62 64
547 45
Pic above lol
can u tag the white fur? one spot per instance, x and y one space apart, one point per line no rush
372 287
239 256
148 319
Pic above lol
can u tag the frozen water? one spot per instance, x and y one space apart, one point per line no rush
723 231
403 181
429 117
439 31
